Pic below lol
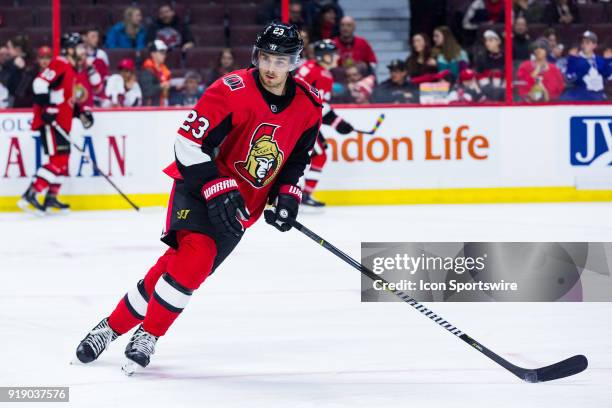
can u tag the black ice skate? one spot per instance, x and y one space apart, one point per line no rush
53 205
29 203
96 341
311 202
139 350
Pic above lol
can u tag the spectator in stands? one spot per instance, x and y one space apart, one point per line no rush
155 76
88 81
224 65
492 57
170 29
483 12
43 57
520 40
539 80
326 24
396 89
561 12
296 14
359 84
587 71
352 48
531 10
4 93
447 52
18 69
130 33
307 51
190 92
466 89
98 58
122 89
420 61
555 54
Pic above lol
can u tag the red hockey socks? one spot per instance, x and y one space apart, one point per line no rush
48 175
187 269
316 166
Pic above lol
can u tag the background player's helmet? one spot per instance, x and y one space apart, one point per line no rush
70 40
324 47
279 39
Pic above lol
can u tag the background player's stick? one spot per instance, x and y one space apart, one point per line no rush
565 368
379 121
96 168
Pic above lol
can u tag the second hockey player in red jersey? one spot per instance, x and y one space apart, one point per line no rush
246 143
54 109
317 73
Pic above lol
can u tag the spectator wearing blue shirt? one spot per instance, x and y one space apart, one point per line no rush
587 72
130 33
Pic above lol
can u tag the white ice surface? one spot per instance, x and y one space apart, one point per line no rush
280 324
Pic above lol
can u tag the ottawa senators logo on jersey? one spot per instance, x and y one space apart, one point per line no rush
264 158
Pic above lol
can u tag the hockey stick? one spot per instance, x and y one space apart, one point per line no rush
66 136
379 121
565 368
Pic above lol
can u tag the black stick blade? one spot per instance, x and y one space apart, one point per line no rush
562 369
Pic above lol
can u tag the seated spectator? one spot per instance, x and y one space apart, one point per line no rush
420 61
396 89
555 54
17 71
296 14
483 12
88 81
122 89
98 58
155 76
561 12
352 48
492 57
539 80
4 93
170 29
326 24
359 85
520 40
307 51
190 92
531 10
447 52
130 33
466 89
225 64
43 57
587 71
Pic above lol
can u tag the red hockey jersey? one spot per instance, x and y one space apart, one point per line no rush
57 81
240 130
317 76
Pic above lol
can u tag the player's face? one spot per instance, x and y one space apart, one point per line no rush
273 69
331 60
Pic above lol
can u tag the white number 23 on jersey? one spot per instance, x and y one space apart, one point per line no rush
190 124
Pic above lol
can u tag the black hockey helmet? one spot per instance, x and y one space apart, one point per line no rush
324 47
70 40
279 39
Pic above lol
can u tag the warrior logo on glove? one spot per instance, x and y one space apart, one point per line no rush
264 158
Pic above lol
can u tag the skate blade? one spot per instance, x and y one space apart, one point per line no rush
55 211
26 207
129 368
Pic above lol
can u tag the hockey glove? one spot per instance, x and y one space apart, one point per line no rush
225 205
49 114
86 118
285 207
344 128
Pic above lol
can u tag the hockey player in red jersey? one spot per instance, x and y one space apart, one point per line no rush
317 73
54 107
246 143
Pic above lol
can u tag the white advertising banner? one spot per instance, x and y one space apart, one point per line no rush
414 148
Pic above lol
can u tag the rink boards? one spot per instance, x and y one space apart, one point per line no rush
418 155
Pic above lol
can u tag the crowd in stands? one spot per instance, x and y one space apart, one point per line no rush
562 50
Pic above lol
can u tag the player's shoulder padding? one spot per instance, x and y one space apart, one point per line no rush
310 91
236 80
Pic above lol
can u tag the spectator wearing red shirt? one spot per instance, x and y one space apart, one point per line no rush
540 80
353 49
326 24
